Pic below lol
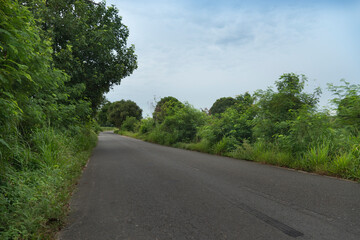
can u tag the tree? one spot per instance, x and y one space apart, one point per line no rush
274 110
221 104
347 104
120 110
102 116
183 123
244 102
166 107
89 42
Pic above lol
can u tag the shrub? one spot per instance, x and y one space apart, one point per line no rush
244 151
184 123
146 125
129 124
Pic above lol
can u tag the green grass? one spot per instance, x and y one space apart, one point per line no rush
108 129
37 184
127 133
202 146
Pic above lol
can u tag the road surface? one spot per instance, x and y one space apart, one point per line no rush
137 190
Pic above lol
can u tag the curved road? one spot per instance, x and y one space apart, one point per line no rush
137 190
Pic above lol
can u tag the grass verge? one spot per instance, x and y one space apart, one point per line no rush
103 129
37 182
317 159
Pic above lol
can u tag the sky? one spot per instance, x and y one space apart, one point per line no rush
199 51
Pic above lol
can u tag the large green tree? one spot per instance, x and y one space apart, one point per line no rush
166 107
119 111
89 42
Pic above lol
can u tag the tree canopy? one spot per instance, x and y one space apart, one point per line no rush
347 104
165 107
275 109
221 104
119 111
89 43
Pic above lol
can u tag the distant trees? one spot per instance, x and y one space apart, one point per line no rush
166 107
182 122
102 115
281 126
119 113
221 104
120 110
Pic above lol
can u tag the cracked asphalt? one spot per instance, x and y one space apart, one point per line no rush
137 190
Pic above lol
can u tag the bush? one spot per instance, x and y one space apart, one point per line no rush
146 125
184 123
244 151
157 135
130 124
225 145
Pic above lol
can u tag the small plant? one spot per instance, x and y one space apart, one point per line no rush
341 166
245 151
225 145
317 157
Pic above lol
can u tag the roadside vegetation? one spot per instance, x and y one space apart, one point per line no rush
282 126
52 81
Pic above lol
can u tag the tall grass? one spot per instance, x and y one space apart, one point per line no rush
37 183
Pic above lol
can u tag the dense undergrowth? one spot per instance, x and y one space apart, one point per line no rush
35 188
283 127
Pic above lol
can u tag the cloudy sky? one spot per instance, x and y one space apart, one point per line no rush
199 51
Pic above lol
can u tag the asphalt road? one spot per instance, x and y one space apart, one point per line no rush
137 190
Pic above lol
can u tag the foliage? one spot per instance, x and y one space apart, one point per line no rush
241 103
275 109
34 200
32 94
234 123
130 124
244 102
103 129
183 123
89 42
308 128
221 104
347 101
165 107
102 116
225 145
281 127
120 110
146 125
46 125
